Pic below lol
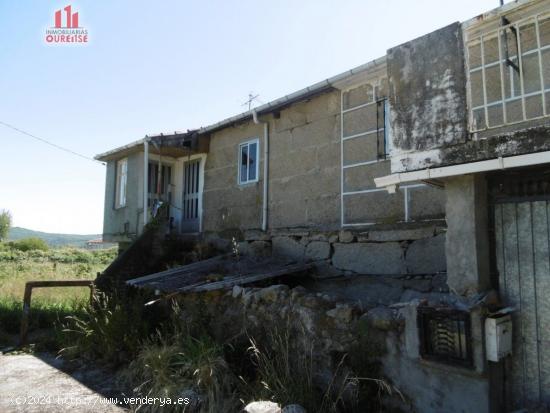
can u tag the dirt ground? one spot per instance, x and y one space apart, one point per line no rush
42 383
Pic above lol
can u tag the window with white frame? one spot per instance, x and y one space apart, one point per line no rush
365 152
248 161
121 181
509 72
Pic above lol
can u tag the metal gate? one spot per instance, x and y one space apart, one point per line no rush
522 232
191 196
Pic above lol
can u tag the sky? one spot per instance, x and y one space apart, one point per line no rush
163 66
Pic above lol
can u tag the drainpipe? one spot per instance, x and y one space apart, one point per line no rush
145 178
266 167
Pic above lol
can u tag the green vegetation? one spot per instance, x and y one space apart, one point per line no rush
167 359
49 305
53 240
108 330
183 366
30 244
5 224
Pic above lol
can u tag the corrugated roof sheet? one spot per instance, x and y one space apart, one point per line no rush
221 272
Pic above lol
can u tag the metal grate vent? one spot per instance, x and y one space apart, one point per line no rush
445 335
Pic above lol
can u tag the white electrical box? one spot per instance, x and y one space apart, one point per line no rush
498 337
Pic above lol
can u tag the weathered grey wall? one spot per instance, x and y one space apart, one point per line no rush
304 176
427 97
467 244
226 204
114 219
432 386
305 164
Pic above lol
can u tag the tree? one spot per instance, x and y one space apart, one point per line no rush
5 224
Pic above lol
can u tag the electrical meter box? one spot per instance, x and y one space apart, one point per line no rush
498 337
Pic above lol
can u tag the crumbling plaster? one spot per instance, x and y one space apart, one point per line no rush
427 95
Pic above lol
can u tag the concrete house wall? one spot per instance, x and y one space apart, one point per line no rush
431 92
457 123
427 244
305 175
125 223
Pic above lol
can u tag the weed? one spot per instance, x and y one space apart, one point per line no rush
182 366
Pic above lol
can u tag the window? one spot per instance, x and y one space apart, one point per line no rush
445 335
509 73
248 161
121 180
366 149
159 188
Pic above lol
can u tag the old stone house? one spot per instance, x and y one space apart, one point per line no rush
417 182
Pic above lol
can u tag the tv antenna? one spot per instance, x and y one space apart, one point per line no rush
251 98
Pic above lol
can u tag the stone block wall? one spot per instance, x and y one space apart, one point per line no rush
378 266
379 342
404 250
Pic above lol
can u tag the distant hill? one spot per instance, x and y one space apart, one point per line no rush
53 240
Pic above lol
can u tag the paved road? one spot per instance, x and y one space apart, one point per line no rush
36 383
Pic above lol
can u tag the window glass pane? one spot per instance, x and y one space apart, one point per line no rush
490 50
495 115
528 37
514 111
253 157
509 43
479 119
547 97
476 85
474 55
531 73
492 80
544 32
358 96
512 85
546 68
244 163
533 106
362 120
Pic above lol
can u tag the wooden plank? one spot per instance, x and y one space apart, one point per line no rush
499 247
60 283
528 313
199 265
542 286
512 295
248 279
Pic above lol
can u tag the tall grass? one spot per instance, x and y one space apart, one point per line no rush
49 305
108 330
288 372
183 366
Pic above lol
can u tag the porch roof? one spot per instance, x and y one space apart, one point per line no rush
175 145
342 81
218 273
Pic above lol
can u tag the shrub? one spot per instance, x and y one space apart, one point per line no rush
182 366
28 244
108 330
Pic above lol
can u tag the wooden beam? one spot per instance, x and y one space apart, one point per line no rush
218 285
45 284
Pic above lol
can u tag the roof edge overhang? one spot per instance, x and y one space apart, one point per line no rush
113 153
390 182
340 81
179 140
